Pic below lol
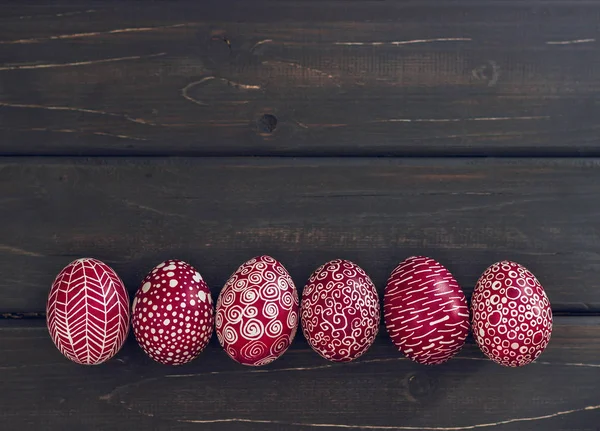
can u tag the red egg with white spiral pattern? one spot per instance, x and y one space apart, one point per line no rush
88 312
172 313
511 315
257 312
340 311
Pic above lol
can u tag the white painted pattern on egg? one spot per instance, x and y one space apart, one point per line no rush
169 308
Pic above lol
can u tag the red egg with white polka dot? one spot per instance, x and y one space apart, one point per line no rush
511 315
257 312
172 313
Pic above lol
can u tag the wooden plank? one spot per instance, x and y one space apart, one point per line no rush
342 78
218 212
381 390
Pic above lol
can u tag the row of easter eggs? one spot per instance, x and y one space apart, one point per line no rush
257 312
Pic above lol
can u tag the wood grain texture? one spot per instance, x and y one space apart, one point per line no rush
342 78
216 213
380 391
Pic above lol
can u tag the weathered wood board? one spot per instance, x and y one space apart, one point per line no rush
342 78
219 212
320 90
380 391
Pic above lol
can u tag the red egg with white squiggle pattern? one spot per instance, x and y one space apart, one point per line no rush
172 313
257 312
511 314
340 311
425 311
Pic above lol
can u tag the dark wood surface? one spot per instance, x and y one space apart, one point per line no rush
380 391
388 78
135 131
217 213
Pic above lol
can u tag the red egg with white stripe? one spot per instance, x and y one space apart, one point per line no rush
172 313
340 311
511 314
425 311
257 312
88 312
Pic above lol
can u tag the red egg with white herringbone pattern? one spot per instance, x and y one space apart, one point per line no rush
88 312
340 311
257 312
172 313
425 311
511 314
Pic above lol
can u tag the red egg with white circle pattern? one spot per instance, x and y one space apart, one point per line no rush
172 313
340 311
88 312
425 311
511 315
257 312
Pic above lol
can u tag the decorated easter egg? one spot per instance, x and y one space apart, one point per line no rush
88 312
511 314
172 313
340 311
257 312
425 311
